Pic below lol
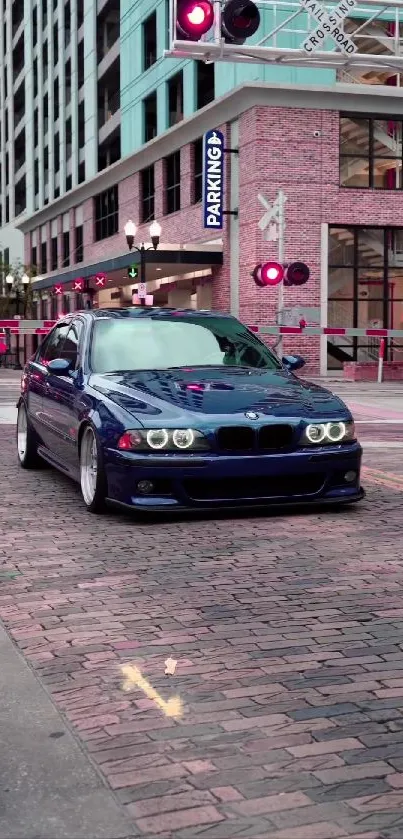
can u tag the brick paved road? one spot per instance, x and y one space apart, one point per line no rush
288 634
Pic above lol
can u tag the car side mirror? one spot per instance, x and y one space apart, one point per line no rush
293 362
59 366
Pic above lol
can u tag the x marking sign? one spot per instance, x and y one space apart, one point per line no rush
330 26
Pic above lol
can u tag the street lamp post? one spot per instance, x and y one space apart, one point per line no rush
14 283
130 233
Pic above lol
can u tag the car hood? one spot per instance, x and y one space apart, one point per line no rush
206 393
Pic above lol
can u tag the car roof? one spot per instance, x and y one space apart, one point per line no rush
151 311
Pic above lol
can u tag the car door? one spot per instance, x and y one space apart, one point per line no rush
37 378
61 398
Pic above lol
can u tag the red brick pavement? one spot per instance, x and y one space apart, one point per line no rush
288 633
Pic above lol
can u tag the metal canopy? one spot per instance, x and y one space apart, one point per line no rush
374 28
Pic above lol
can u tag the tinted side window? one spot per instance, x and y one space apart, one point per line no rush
71 344
53 346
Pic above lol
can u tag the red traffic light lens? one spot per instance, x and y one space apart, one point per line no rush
297 274
194 18
240 20
269 274
57 289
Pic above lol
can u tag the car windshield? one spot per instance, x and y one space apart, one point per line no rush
161 344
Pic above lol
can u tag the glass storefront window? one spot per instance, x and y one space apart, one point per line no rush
365 289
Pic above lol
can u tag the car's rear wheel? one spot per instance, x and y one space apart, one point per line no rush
92 472
27 445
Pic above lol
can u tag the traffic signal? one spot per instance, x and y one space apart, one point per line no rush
268 274
133 272
100 280
78 285
240 20
58 289
297 274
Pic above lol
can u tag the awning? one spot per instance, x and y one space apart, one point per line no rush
158 264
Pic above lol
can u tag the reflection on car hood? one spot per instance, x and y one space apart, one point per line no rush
186 392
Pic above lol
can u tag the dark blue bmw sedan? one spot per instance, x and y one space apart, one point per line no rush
166 409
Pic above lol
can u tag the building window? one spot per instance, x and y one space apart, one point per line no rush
36 177
175 99
365 290
204 83
56 99
56 151
106 210
45 113
44 258
79 249
33 257
150 117
172 183
56 42
35 74
370 152
53 255
34 25
150 41
197 170
66 249
147 193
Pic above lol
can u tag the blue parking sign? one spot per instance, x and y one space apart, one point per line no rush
213 180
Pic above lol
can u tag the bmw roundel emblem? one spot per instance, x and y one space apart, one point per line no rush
251 415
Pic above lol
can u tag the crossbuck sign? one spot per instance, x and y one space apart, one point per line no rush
330 26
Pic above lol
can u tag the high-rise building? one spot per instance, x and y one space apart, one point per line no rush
59 103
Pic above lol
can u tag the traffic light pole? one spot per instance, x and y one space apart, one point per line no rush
281 256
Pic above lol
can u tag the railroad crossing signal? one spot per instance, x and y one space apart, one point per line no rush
273 273
133 272
237 20
271 218
330 26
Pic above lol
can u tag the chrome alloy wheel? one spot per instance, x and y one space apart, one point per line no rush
22 433
88 466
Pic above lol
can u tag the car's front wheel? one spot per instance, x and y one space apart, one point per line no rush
27 445
92 472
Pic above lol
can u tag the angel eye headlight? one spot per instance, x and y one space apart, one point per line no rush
157 438
316 433
336 431
183 438
328 432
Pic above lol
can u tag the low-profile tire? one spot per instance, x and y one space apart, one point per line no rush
92 472
27 444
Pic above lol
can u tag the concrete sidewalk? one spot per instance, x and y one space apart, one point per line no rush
48 788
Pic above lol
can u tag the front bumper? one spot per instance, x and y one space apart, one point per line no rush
203 482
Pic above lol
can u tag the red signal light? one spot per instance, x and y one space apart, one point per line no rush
58 289
268 274
100 280
297 274
78 285
194 18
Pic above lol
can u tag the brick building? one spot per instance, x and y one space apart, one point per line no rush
337 154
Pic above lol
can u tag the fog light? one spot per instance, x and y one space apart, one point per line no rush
350 477
145 487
